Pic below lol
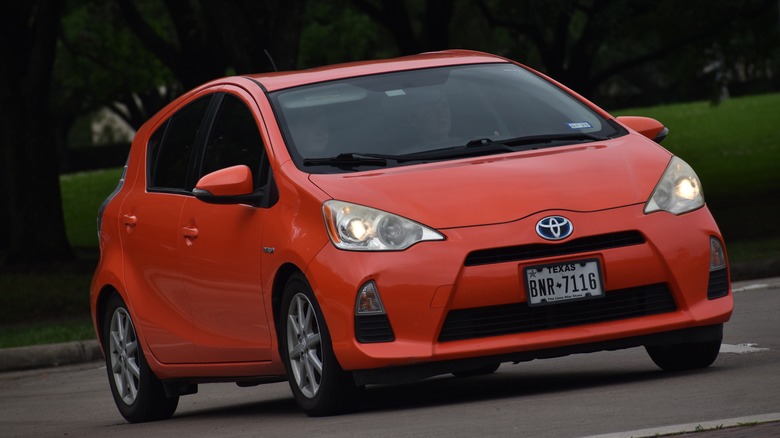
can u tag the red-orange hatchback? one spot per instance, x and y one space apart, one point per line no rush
387 221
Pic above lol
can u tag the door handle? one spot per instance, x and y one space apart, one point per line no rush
189 232
129 221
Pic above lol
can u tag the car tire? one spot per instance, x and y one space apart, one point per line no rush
481 371
138 393
318 383
681 357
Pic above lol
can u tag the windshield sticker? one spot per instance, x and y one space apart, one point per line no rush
579 125
393 93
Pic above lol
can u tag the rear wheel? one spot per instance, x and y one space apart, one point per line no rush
681 357
137 392
319 384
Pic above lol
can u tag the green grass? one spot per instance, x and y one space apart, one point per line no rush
40 305
734 147
750 250
82 194
46 333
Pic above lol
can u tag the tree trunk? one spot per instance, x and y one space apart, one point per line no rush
32 199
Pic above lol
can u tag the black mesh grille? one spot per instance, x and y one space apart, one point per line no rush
373 328
718 285
541 250
519 317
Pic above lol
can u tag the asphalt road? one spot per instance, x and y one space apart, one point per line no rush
618 393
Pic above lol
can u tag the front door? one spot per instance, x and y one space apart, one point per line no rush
220 246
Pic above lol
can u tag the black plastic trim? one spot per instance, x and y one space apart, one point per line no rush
410 373
371 329
543 250
481 322
718 284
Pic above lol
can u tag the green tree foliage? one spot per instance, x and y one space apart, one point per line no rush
101 63
64 59
336 32
602 47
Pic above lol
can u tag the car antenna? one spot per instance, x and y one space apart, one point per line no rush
273 64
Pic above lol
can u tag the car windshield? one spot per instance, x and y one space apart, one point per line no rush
426 115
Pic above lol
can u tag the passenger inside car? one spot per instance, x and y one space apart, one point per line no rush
311 132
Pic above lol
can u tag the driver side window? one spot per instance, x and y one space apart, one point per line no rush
235 139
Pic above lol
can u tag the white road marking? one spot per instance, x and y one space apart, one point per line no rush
752 287
693 427
741 348
766 283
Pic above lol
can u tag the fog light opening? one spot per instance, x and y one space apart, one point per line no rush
368 301
717 255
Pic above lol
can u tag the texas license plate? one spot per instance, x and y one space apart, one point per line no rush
566 281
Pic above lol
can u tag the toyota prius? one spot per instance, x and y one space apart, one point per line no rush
388 221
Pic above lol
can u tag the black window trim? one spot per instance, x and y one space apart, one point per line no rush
200 140
270 193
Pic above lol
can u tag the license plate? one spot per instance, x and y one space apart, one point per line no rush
566 281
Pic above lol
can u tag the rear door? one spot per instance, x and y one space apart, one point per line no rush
149 221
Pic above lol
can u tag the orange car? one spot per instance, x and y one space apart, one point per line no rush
387 221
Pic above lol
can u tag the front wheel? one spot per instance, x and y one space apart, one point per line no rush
137 392
682 357
319 384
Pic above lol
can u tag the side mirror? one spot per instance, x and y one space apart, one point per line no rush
231 185
650 128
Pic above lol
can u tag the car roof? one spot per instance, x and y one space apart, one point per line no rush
280 80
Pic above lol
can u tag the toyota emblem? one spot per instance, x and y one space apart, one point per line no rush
554 228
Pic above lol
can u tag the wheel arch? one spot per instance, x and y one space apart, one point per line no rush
283 274
100 309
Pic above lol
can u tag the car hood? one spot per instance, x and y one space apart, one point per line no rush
507 187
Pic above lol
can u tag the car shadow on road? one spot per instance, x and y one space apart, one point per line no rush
508 382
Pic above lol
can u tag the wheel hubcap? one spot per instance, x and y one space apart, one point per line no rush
123 351
303 345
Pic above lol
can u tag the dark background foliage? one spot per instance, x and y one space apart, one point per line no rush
63 60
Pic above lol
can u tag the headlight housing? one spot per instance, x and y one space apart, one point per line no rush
679 190
359 228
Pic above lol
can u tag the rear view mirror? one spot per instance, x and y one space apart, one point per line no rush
650 128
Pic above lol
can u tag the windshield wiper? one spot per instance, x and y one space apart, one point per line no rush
487 146
352 159
476 147
552 138
349 159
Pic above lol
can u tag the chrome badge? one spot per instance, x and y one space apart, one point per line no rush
554 228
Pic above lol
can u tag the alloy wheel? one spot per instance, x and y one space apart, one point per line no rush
304 345
123 350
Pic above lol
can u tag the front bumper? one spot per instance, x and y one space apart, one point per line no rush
421 286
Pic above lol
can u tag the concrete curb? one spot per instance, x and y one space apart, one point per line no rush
52 355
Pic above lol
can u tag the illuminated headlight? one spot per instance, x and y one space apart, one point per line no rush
358 228
678 191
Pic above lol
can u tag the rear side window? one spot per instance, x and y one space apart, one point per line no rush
234 139
170 147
